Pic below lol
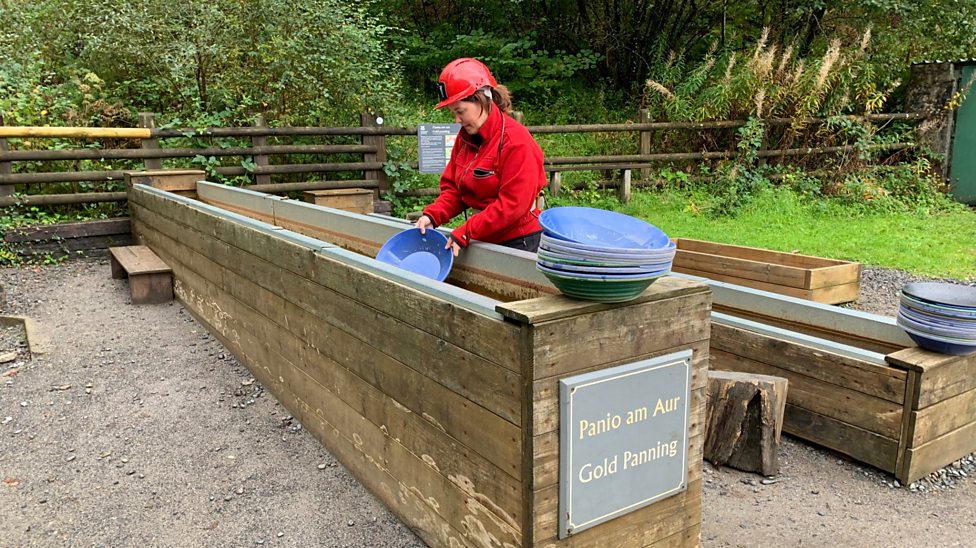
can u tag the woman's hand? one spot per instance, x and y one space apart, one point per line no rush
423 223
453 246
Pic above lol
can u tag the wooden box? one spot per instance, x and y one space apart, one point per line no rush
856 382
802 276
442 401
179 181
355 200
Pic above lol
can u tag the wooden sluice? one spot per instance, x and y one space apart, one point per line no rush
442 400
442 397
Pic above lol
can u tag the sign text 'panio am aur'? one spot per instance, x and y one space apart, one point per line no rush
623 439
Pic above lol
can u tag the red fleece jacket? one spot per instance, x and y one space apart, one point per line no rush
503 186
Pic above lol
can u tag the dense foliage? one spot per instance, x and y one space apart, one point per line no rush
323 62
218 62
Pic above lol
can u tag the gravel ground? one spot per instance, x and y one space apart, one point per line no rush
136 427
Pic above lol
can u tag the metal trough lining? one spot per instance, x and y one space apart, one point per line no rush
461 297
483 256
832 347
833 318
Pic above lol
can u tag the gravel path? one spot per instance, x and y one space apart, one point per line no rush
139 428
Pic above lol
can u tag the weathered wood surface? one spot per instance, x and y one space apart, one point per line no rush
150 279
619 334
419 432
173 180
67 239
408 483
429 453
929 457
87 229
875 380
943 417
830 295
942 376
824 332
437 417
356 200
831 400
744 418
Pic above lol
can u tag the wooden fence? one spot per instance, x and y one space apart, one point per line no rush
370 152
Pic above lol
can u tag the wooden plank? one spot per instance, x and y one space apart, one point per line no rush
907 422
829 295
473 425
734 267
678 515
689 537
411 487
75 132
862 445
619 333
87 229
171 180
827 276
876 380
138 259
758 254
925 459
943 417
942 376
844 404
544 309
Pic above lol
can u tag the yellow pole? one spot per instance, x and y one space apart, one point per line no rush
81 132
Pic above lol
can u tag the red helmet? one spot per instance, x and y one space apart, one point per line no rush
462 78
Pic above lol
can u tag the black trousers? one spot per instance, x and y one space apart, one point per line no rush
529 242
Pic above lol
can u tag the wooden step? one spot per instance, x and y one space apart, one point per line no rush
150 279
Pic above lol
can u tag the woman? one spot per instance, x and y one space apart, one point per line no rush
495 166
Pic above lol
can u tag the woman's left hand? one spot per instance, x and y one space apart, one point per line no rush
453 246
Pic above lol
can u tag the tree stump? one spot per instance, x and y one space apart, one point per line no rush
743 420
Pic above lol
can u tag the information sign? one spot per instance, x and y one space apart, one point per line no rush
623 439
435 142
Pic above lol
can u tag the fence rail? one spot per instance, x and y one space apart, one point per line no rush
372 151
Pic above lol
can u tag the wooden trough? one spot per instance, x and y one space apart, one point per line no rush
441 398
814 278
858 384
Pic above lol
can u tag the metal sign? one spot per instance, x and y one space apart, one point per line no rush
434 144
623 439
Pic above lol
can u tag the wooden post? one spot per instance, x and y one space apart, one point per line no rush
6 168
645 143
763 144
519 116
260 159
623 191
555 183
744 419
148 120
378 175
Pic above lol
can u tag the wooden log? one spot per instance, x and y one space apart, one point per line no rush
258 158
744 419
6 167
79 132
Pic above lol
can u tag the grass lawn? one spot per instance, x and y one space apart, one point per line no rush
931 244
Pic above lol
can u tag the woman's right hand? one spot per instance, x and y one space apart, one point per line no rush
423 223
